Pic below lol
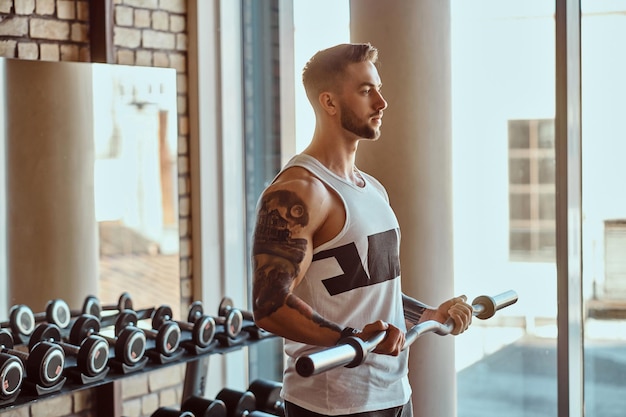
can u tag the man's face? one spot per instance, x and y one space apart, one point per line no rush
361 102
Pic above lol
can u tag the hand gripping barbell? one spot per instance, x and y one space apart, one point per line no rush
352 351
44 364
92 354
129 344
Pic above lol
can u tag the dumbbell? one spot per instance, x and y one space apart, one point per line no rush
92 305
240 403
167 337
267 394
227 305
92 354
232 320
129 344
171 412
203 407
44 364
22 319
11 376
202 328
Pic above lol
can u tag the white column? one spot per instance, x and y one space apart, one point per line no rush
51 228
413 160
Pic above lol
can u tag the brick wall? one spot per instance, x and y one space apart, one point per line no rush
146 33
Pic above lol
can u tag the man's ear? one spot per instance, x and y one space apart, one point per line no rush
327 103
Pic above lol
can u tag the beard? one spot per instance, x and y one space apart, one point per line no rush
351 122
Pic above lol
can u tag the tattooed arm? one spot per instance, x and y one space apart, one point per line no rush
294 214
290 213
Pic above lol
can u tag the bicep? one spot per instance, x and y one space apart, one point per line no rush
282 247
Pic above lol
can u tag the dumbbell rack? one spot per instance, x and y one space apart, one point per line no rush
108 389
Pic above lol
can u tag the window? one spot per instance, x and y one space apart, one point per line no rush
531 190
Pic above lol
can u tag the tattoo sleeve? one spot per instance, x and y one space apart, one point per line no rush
277 255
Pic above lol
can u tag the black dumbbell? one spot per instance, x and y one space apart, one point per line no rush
44 364
203 407
267 394
171 412
232 321
240 403
167 337
22 319
226 305
129 344
92 354
92 305
11 376
202 328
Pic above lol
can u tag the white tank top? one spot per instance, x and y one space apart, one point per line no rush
353 280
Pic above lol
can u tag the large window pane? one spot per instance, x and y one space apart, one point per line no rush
604 205
503 143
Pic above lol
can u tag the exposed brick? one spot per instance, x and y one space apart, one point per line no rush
176 6
129 38
69 53
146 4
5 6
149 403
66 9
124 15
183 146
14 26
44 7
161 59
177 23
85 54
80 32
17 412
27 50
181 104
164 378
143 58
178 62
142 18
83 400
168 398
82 11
8 48
49 52
53 407
24 6
135 386
181 42
184 205
160 20
49 29
126 57
158 40
132 408
186 287
181 88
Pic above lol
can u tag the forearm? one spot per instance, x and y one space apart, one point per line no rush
295 320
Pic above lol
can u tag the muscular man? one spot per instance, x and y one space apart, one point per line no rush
326 251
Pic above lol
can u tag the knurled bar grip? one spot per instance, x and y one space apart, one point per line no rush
352 351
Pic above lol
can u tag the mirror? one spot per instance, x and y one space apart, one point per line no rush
88 171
